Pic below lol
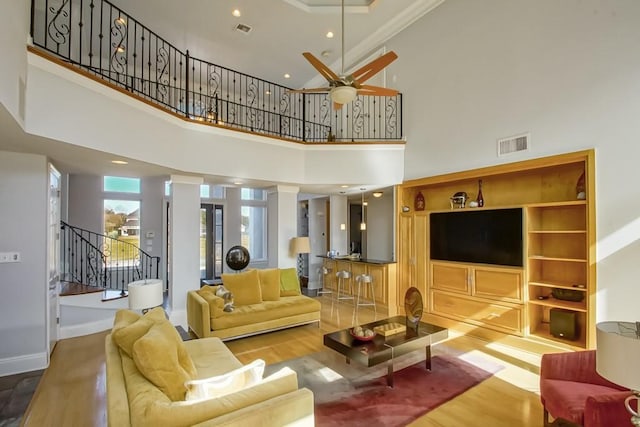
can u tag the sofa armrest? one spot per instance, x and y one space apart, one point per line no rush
578 366
117 402
198 315
290 409
607 409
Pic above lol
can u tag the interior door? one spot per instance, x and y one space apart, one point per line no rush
53 258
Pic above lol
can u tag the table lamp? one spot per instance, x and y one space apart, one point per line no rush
300 245
145 294
618 350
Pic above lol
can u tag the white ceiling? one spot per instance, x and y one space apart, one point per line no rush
281 31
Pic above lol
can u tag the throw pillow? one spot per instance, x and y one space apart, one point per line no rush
162 358
289 284
126 336
228 383
244 286
270 284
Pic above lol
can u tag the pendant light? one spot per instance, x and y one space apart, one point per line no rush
363 224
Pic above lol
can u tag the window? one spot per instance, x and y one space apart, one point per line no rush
121 220
254 222
116 184
122 224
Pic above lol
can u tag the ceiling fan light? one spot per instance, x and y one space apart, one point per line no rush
343 94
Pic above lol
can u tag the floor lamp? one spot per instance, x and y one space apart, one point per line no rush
300 245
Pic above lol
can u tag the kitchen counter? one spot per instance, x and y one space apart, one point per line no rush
363 260
383 273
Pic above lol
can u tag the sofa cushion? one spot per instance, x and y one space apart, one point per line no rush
162 359
230 382
244 286
268 310
270 284
129 326
289 284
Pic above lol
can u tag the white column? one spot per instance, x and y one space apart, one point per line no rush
184 244
339 215
282 205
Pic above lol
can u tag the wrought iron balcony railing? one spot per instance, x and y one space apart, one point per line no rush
104 40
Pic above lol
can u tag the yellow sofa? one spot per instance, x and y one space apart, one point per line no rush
265 300
134 400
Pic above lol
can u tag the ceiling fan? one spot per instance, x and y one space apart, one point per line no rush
344 88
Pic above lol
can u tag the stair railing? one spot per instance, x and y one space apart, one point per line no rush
95 259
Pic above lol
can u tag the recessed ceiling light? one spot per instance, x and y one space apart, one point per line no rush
377 194
325 53
237 183
287 76
119 162
120 48
344 186
236 13
267 92
121 20
330 35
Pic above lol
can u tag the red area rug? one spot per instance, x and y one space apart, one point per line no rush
416 391
351 395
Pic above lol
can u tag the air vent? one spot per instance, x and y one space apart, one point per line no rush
243 28
513 144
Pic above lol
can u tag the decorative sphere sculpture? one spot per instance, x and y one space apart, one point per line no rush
237 258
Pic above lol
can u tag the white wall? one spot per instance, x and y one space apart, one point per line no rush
86 206
13 66
565 71
23 220
339 214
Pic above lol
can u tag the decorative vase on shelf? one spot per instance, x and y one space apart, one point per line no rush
581 191
419 202
480 198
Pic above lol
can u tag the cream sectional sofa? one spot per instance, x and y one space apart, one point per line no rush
265 300
144 389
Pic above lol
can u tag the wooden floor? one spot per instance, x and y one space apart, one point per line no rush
72 390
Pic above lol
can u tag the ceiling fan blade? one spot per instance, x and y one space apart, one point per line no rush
322 69
365 73
337 106
311 90
376 91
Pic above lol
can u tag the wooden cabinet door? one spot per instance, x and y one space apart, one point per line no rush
378 274
501 284
450 277
406 259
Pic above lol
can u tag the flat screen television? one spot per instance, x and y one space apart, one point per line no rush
492 236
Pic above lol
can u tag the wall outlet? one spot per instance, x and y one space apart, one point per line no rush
10 257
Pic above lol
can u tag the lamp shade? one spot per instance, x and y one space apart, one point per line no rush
145 294
300 245
618 350
343 94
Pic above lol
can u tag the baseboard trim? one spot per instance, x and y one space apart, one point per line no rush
20 364
85 328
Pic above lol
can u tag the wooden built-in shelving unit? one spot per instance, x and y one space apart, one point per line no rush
558 238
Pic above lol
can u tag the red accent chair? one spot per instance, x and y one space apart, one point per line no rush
572 390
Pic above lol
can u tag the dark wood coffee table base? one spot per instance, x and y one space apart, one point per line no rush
385 349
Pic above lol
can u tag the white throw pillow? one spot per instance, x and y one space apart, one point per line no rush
228 383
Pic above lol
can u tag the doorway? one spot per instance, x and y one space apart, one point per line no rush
53 259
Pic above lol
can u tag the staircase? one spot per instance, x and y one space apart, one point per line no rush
95 272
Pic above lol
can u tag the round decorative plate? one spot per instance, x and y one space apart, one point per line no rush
361 338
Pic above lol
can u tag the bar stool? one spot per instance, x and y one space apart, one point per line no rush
322 274
365 279
343 275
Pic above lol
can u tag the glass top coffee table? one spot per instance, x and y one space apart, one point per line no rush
384 349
